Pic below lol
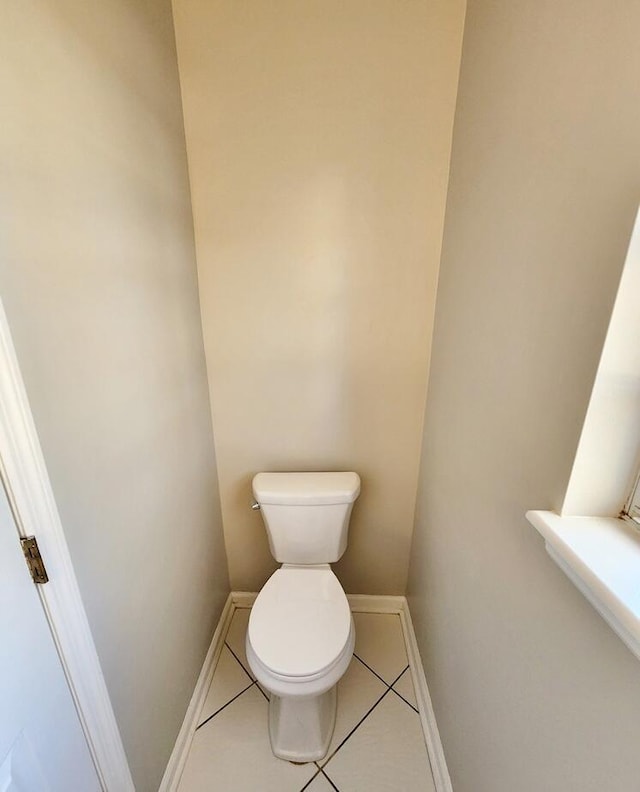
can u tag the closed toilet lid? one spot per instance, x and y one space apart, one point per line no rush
300 622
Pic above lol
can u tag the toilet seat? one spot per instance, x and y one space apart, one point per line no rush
300 628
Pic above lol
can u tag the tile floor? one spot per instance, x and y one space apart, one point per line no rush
378 744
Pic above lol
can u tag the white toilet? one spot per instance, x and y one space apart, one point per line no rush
301 634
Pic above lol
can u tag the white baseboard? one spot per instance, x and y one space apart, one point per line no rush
439 768
359 603
173 772
373 603
243 599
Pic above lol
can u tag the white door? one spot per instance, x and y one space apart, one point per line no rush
42 745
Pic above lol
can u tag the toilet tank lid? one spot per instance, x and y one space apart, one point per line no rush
306 489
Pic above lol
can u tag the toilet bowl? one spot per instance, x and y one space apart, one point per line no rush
299 644
301 635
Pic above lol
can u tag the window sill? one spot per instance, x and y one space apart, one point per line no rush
601 556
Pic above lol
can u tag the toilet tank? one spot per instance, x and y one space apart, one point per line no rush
306 514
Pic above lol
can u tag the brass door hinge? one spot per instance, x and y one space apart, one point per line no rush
34 559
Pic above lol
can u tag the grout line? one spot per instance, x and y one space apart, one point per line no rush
408 668
244 690
358 724
240 661
384 681
365 716
330 781
245 670
413 707
262 691
408 703
313 777
398 677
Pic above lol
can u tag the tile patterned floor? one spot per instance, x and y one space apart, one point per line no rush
377 746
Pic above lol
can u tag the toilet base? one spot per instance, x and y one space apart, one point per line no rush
301 727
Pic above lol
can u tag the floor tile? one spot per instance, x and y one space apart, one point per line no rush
383 746
232 752
236 636
358 691
319 784
404 686
229 679
387 753
380 643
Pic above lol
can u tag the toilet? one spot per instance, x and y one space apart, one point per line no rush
301 634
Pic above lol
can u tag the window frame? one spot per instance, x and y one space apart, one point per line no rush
632 506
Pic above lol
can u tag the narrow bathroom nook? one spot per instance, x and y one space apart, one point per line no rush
378 742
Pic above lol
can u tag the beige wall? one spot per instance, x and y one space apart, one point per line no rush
318 136
532 690
97 274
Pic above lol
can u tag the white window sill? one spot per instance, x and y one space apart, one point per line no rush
601 556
